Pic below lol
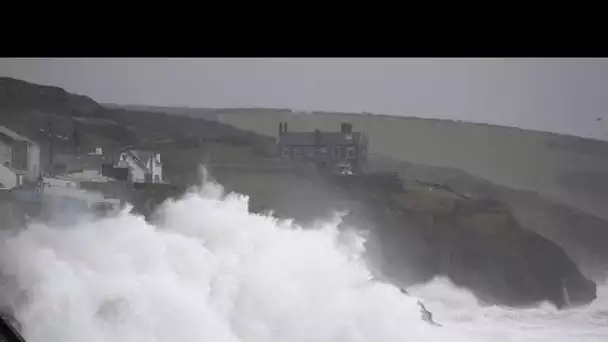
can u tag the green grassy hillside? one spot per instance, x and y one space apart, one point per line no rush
565 168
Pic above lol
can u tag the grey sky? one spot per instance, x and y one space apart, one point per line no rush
559 95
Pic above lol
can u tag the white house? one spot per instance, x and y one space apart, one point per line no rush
144 166
19 154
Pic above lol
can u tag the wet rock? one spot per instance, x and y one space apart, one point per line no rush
477 243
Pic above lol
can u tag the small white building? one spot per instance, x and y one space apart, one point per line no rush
144 166
19 154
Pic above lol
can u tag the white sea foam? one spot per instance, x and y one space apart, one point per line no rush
209 270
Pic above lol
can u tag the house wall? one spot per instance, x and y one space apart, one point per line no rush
22 156
33 162
25 159
8 179
19 156
137 174
331 160
5 154
157 171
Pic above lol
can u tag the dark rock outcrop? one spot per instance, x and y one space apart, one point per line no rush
581 235
476 242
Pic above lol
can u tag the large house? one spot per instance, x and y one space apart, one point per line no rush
343 152
19 154
144 166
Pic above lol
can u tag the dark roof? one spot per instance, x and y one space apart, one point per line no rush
142 155
325 138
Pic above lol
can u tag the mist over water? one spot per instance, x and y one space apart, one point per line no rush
208 270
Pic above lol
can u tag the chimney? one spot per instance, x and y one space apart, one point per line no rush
346 128
152 168
282 128
317 137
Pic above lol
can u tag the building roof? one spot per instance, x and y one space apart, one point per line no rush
325 138
143 155
13 135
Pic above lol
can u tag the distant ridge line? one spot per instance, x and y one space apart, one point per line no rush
210 111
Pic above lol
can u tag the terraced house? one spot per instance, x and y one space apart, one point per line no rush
343 152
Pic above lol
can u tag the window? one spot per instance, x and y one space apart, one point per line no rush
297 152
321 150
286 152
350 152
336 152
310 151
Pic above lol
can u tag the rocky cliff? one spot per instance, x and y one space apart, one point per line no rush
476 242
420 230
582 235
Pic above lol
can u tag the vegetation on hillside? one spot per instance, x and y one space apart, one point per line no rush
32 110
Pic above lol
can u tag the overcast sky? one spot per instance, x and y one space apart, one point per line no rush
559 95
